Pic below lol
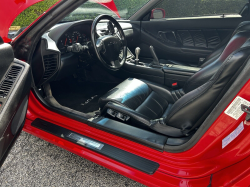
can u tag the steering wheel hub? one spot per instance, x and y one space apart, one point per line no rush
111 47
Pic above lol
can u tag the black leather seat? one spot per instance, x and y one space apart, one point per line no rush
176 113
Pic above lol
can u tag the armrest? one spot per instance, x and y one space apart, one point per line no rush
169 68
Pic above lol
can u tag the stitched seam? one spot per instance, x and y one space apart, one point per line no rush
159 105
143 102
151 110
174 96
178 94
140 97
182 92
171 95
175 92
208 87
145 95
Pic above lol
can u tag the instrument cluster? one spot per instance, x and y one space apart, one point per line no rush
72 36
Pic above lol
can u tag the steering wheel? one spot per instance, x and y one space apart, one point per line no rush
108 45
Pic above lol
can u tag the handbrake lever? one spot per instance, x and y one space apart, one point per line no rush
155 58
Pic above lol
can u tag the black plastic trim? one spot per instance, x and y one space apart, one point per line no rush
10 117
1 40
151 139
132 160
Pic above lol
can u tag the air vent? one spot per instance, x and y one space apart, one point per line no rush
13 73
50 64
9 80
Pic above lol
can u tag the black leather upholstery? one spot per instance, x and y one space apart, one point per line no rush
130 93
219 49
208 71
177 112
148 99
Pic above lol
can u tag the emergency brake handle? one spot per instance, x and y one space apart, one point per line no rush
246 109
155 58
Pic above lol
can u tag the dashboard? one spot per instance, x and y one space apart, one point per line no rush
52 58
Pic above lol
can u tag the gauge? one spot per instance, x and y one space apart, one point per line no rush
76 37
64 42
85 38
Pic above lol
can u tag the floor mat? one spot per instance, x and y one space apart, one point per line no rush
82 97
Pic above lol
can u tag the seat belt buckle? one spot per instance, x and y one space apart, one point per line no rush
175 85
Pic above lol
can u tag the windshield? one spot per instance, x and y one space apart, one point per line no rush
92 8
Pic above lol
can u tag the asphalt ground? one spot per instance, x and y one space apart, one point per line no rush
35 162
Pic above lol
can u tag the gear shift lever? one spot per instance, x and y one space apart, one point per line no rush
137 52
156 60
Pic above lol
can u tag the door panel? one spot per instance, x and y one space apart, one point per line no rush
186 40
15 83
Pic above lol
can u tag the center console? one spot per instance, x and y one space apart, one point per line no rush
170 75
177 75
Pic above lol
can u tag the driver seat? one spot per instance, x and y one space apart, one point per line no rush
176 113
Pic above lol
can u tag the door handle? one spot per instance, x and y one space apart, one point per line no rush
168 37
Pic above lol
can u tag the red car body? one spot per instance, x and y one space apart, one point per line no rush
206 163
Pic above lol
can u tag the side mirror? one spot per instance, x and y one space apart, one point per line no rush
158 13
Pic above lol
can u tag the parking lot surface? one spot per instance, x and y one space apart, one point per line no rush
35 162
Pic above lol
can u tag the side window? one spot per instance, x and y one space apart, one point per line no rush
197 8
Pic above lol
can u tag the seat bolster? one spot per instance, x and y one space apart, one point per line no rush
187 110
213 57
162 128
202 76
164 92
130 93
166 113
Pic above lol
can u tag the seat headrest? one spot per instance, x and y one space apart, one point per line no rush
243 26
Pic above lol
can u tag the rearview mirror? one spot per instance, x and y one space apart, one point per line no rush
158 13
